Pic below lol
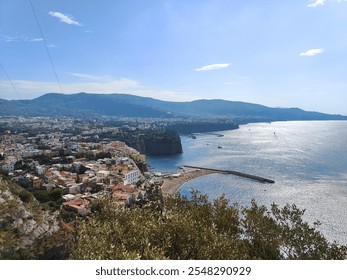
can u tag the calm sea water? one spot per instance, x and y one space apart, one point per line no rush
308 161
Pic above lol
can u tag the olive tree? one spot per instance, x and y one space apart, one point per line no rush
197 228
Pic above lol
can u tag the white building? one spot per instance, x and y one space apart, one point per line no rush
102 173
9 164
132 177
74 188
125 160
40 169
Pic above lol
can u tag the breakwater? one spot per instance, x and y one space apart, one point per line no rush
236 173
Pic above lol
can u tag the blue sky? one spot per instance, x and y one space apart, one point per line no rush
276 53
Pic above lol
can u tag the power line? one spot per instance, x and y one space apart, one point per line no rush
8 78
44 41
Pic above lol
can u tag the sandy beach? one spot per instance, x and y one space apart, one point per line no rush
172 185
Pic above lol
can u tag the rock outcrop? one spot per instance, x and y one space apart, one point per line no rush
166 143
153 142
22 222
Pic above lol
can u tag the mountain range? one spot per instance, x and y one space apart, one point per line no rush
126 105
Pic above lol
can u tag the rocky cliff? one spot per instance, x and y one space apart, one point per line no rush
166 143
152 142
23 225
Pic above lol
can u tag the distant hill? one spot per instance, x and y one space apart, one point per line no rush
78 105
126 105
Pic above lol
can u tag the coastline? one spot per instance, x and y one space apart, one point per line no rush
171 185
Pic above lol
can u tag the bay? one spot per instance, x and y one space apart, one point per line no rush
307 160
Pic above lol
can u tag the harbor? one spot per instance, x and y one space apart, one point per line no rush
173 182
236 173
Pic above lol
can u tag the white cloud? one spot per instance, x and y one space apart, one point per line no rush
19 38
36 40
64 18
212 67
312 52
317 3
10 39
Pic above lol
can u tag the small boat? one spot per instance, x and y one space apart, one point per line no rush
193 136
219 147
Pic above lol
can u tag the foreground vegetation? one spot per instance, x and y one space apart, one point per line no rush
199 229
172 228
28 230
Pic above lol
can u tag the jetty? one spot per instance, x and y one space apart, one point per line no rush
213 133
236 173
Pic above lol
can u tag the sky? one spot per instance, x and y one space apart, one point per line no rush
277 53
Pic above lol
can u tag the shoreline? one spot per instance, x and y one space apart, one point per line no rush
171 186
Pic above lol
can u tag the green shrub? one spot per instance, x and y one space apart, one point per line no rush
25 196
199 229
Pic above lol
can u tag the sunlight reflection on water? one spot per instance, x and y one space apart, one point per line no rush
308 161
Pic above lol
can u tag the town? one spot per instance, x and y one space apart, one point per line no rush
67 170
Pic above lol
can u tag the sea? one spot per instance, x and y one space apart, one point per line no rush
306 159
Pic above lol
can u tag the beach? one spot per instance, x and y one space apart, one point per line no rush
172 185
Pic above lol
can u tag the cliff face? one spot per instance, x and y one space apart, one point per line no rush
166 143
153 142
22 222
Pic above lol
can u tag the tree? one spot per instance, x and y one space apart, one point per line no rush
281 233
199 229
